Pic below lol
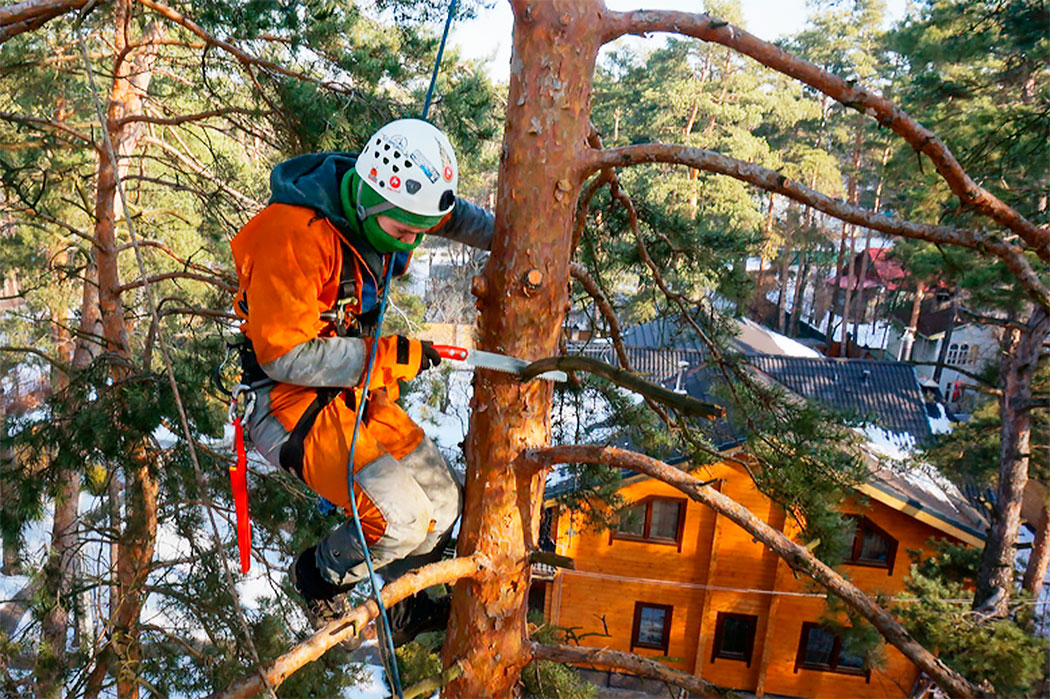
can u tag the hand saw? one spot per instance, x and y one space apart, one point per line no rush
492 360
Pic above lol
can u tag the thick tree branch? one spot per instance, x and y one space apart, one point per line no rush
707 28
796 556
350 625
772 181
683 403
32 14
628 662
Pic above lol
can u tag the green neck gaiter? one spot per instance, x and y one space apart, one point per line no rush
380 239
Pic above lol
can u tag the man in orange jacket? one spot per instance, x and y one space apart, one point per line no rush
310 269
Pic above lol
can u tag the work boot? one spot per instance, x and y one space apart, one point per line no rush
418 614
325 602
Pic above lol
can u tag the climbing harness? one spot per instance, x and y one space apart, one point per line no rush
240 412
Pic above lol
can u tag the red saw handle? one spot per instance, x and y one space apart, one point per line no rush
452 352
239 481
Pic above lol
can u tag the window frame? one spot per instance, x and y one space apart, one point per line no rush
853 558
716 648
836 650
636 625
615 533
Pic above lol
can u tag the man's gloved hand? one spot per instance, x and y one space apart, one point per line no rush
399 358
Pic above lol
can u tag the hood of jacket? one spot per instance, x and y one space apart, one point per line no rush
312 180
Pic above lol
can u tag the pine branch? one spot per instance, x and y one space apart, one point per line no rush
681 402
350 625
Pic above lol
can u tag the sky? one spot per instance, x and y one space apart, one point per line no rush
488 36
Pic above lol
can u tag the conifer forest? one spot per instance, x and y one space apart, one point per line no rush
868 194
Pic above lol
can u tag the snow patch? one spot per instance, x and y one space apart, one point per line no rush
793 348
940 424
892 445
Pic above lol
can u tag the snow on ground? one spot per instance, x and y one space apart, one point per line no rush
940 424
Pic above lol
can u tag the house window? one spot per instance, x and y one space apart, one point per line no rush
872 546
820 649
652 626
653 519
957 354
734 636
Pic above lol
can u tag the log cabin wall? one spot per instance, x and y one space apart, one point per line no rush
716 569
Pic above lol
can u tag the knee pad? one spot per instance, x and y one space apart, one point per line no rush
404 505
428 468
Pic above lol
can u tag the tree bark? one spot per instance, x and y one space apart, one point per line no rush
796 556
554 48
1020 355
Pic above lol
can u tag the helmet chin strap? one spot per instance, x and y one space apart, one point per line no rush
362 212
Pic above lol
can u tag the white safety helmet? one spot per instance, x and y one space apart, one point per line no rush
411 164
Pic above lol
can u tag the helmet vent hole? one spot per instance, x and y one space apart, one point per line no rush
386 161
386 147
396 154
408 163
382 183
447 200
377 154
395 169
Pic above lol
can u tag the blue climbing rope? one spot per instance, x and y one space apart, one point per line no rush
437 63
386 637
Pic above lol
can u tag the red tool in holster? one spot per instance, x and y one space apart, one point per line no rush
239 482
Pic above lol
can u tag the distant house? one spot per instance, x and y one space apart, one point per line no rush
883 275
970 348
677 582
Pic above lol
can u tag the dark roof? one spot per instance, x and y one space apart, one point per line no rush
884 393
933 316
662 333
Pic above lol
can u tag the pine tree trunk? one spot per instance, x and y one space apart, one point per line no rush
908 341
1020 353
58 571
134 547
554 49
800 296
1039 559
836 292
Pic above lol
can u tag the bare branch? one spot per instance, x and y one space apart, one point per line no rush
618 660
176 275
796 556
772 181
702 26
48 124
173 121
350 625
40 353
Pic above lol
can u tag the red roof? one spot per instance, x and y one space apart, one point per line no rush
882 271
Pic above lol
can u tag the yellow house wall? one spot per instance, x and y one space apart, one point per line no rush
599 596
